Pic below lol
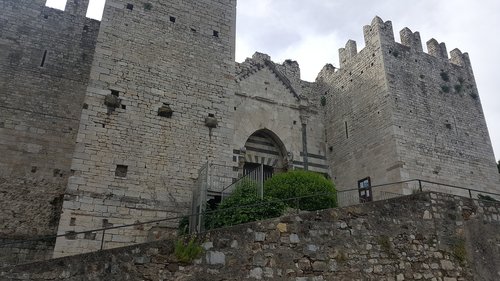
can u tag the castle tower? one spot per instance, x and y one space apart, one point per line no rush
160 69
396 113
45 59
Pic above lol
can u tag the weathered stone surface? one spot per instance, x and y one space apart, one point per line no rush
346 256
84 107
45 61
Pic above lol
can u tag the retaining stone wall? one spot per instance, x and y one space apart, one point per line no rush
427 236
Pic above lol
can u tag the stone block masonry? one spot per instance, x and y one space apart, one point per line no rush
426 236
398 113
104 123
127 156
45 59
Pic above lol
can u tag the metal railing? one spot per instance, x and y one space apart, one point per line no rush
256 176
381 192
212 179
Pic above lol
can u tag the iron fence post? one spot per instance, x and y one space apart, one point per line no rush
102 238
297 205
470 193
420 185
261 184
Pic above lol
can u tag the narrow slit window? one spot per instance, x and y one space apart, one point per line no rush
216 33
44 57
346 130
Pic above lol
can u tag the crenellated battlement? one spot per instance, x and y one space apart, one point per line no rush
77 7
348 52
411 39
437 49
73 7
380 33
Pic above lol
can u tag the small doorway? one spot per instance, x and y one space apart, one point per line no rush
365 190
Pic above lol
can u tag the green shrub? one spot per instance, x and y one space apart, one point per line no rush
445 76
299 184
232 210
485 197
445 88
187 252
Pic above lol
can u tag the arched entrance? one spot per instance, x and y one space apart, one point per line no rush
264 148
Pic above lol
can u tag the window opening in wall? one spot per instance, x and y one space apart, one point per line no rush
365 190
96 9
216 33
56 4
44 57
121 171
130 7
172 19
346 130
115 93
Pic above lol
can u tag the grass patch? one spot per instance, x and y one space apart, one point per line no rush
385 245
459 251
187 251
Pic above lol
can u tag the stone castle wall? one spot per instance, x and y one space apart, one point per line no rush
439 124
399 114
427 236
274 98
358 118
134 91
45 63
130 163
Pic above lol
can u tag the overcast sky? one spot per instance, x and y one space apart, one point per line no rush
312 31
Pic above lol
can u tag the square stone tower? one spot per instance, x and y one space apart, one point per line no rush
160 68
395 113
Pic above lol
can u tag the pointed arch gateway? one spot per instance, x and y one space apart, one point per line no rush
264 148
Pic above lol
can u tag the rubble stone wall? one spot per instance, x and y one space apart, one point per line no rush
426 236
